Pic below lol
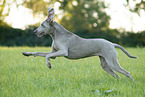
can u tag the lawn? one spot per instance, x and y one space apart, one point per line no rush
22 76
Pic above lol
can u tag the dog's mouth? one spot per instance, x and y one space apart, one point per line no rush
40 34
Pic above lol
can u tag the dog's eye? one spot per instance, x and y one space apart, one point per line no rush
42 25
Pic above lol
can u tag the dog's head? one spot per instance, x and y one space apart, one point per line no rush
46 26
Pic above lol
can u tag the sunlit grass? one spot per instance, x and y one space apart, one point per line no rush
22 76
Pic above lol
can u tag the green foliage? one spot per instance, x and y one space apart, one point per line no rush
2 6
38 6
85 16
133 39
17 37
22 76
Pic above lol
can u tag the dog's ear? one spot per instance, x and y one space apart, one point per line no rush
51 14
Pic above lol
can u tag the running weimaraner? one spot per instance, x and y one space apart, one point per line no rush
71 46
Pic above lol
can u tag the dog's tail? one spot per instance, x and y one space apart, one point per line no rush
118 46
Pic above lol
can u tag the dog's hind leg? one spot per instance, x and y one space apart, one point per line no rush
114 65
119 69
107 68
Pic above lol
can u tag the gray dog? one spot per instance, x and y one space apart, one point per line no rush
72 46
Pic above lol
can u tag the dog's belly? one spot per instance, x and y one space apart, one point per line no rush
82 53
80 57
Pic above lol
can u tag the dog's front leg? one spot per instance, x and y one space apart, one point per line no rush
56 54
42 54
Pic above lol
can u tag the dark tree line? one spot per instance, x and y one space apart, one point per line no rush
17 37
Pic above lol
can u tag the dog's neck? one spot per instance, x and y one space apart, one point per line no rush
58 31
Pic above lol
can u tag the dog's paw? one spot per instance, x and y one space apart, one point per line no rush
26 53
49 65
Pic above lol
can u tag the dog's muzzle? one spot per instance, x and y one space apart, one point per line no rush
39 34
35 31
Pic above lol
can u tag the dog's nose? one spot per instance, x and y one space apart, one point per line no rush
35 31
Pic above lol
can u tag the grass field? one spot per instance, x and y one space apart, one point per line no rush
22 76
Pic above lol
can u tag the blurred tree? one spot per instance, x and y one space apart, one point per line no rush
81 8
139 5
82 15
38 6
2 15
78 15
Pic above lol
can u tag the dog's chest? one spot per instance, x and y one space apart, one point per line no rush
58 45
55 45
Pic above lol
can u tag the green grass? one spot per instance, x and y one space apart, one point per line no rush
22 76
